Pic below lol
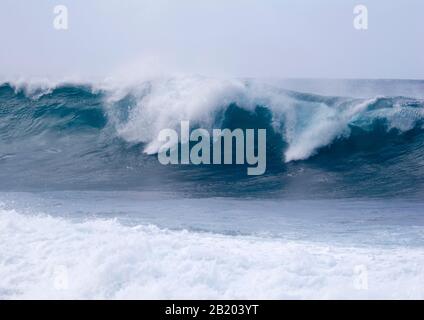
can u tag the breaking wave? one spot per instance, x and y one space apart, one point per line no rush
80 136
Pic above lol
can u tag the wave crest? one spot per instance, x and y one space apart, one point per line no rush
305 122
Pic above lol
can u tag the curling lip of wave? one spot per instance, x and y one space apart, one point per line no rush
78 137
306 122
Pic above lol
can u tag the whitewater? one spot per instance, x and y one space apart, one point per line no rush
88 212
105 260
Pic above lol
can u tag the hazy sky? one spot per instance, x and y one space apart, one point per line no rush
238 38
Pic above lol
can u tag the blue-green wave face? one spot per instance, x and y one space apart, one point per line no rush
75 137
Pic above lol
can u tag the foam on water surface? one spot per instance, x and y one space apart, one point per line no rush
46 257
51 256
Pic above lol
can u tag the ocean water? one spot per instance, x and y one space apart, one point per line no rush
87 211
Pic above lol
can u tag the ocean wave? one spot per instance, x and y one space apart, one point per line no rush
108 123
305 122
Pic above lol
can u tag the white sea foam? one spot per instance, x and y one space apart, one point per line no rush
53 258
36 87
164 103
